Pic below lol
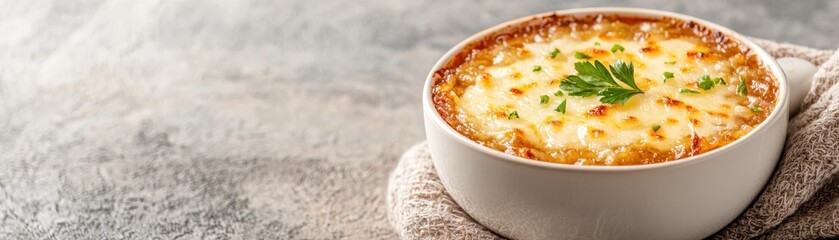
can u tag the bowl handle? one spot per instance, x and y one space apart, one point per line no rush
799 74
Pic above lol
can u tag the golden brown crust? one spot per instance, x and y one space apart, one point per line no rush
450 82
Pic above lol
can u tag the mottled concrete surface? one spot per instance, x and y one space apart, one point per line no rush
245 119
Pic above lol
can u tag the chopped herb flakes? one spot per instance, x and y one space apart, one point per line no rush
668 75
537 68
558 93
743 89
617 47
561 107
513 114
705 82
670 62
685 90
544 99
656 127
756 109
554 52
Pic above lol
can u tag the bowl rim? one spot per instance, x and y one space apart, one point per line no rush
780 109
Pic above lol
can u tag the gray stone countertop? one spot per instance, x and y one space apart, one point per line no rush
246 119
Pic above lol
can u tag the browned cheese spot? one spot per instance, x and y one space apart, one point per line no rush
485 80
695 142
667 101
597 53
651 48
598 111
556 123
656 135
500 114
690 108
641 36
695 122
527 153
596 133
697 55
718 114
521 52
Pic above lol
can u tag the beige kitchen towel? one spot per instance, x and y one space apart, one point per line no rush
801 200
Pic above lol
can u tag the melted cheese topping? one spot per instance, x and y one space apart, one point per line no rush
500 79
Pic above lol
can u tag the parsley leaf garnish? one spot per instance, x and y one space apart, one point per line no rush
705 82
617 95
743 89
513 114
561 107
580 55
544 99
595 79
617 47
554 52
625 73
537 68
597 71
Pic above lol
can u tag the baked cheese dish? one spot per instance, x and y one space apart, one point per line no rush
604 90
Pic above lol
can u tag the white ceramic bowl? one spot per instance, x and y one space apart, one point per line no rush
689 198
